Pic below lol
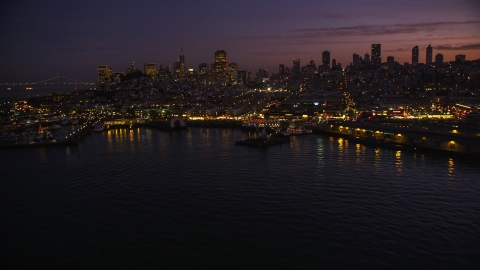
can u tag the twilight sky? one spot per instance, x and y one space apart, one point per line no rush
44 39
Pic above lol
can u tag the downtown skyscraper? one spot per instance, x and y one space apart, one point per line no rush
356 60
296 66
439 59
150 69
429 54
221 66
415 52
104 73
233 73
325 60
179 66
376 55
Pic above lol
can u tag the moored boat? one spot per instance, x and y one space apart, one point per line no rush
55 127
264 140
99 127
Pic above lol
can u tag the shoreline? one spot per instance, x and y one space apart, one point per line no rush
399 146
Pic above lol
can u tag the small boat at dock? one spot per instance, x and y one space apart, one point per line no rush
99 127
55 127
264 140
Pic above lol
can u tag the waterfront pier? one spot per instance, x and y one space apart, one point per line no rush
168 124
216 123
407 137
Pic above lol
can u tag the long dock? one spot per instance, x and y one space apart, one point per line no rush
411 139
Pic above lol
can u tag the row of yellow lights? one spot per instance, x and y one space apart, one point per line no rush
398 135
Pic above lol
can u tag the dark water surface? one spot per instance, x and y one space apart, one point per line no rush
194 200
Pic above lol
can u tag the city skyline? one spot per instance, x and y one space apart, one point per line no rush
225 71
44 40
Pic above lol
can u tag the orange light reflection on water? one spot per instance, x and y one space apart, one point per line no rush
398 162
451 168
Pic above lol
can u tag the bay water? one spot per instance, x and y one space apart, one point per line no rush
145 198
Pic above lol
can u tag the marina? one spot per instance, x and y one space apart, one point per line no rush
42 135
363 133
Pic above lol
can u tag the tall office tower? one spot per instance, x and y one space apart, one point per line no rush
325 60
296 66
356 60
390 61
132 67
334 63
150 70
233 73
281 69
211 75
177 70
460 57
203 68
311 67
376 55
181 67
162 72
415 55
429 54
242 77
366 57
221 66
439 59
262 74
249 76
203 73
104 73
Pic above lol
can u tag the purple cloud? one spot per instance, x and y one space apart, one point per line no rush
376 30
448 47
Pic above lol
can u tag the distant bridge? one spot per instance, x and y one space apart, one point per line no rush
58 80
